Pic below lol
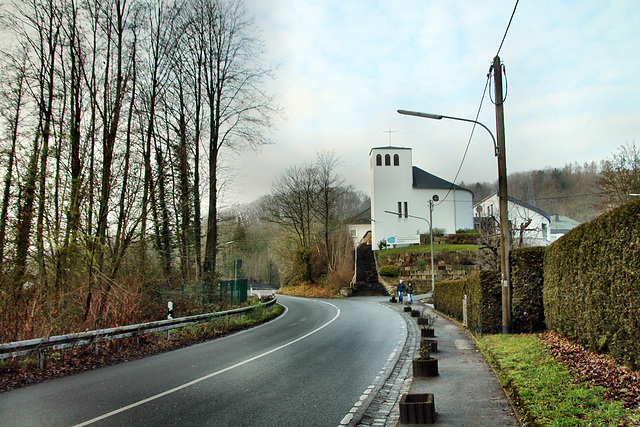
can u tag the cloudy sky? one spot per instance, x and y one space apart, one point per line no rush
345 67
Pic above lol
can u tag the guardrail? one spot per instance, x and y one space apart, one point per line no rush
38 345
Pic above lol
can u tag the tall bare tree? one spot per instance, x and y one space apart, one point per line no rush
238 107
292 202
14 85
330 189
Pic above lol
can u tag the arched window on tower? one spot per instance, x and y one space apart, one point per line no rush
379 160
387 160
396 160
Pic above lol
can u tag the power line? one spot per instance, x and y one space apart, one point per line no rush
508 25
484 92
466 150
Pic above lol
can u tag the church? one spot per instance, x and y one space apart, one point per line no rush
400 200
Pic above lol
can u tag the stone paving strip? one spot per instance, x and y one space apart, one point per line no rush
379 405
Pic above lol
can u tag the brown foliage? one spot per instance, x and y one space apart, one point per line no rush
622 383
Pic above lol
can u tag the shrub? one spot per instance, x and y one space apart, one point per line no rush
463 239
527 269
592 285
389 271
484 300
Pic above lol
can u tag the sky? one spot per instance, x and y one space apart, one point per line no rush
343 69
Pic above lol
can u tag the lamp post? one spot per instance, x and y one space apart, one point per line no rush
430 222
500 153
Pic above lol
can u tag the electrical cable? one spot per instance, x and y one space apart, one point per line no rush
487 84
508 25
503 69
466 150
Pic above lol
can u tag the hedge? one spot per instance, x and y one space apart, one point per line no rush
447 297
484 301
592 288
527 273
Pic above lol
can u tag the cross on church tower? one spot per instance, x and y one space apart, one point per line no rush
389 132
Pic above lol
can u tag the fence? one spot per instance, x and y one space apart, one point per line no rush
230 291
40 345
234 290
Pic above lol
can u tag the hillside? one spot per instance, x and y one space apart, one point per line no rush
569 191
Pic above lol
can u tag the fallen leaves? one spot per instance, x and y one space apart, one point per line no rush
622 383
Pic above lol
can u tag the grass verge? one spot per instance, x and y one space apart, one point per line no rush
418 249
220 327
542 387
24 371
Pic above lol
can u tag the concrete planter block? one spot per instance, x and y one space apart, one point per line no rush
425 367
417 408
427 332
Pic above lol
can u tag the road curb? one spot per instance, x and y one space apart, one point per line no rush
380 403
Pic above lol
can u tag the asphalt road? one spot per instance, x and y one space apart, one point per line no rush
306 368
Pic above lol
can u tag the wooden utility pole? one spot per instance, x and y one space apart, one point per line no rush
505 232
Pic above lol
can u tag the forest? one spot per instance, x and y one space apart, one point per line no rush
580 192
117 121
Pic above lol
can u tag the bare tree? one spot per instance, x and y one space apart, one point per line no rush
620 177
330 189
11 112
238 107
292 202
42 35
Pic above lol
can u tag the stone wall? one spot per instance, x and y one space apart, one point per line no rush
448 265
441 272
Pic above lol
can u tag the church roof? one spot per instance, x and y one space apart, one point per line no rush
388 147
422 179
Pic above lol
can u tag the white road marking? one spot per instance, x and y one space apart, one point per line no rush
211 375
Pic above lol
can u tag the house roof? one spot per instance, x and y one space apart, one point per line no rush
422 179
518 202
562 224
363 217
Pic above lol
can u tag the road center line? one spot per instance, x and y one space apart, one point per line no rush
211 375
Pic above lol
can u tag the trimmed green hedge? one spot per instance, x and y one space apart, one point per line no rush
592 286
447 297
484 301
527 273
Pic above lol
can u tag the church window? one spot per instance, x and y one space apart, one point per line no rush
406 210
396 160
387 160
379 160
399 209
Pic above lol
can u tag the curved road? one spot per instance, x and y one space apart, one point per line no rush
307 368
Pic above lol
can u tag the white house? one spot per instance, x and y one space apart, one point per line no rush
400 195
360 227
528 222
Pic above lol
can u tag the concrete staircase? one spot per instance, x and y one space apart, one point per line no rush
367 283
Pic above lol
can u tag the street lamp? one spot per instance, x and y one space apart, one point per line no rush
440 117
500 153
430 222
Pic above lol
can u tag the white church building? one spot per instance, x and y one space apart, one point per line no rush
400 195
